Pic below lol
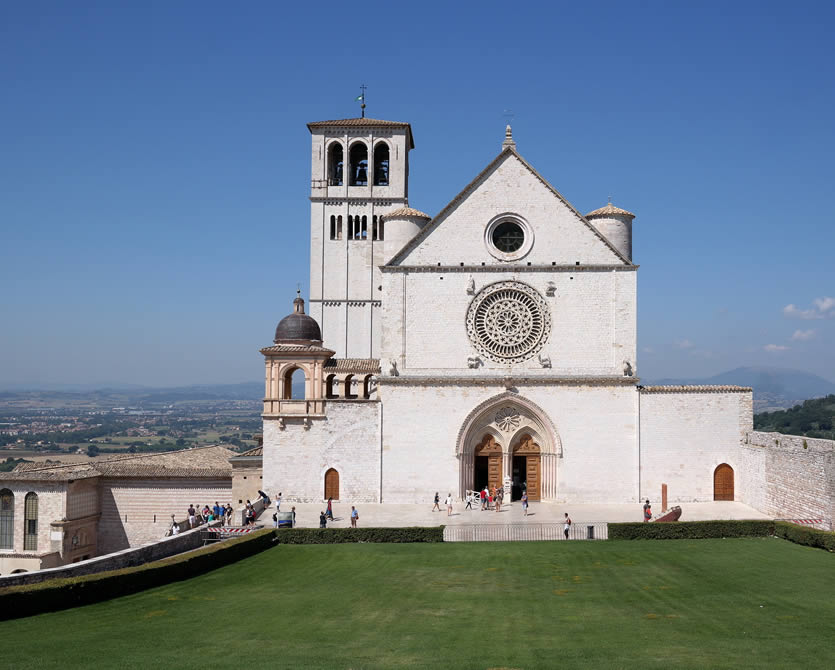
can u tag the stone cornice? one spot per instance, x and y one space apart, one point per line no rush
508 268
508 381
377 201
695 389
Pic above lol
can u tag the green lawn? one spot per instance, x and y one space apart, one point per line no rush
665 604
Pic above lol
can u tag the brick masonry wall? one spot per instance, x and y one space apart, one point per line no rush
790 477
129 506
51 500
685 436
348 439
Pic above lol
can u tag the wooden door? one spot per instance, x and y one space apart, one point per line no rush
530 450
493 451
332 484
723 482
533 477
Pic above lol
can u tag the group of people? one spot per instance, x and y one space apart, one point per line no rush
208 514
490 499
448 502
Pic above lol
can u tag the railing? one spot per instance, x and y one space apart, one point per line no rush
526 532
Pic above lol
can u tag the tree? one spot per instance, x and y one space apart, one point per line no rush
92 450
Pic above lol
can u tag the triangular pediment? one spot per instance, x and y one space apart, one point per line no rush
509 187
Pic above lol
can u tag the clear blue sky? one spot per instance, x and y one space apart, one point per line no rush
154 165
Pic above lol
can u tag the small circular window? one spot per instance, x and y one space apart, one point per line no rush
508 237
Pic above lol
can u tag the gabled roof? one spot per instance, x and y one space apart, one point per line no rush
211 462
507 151
361 122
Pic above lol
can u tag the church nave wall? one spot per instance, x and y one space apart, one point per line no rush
348 439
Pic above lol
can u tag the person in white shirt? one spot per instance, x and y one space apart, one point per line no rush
448 503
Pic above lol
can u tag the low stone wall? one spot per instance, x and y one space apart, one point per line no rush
169 546
789 476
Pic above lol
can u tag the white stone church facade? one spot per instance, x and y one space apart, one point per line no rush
495 343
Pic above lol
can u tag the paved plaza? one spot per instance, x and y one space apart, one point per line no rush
388 516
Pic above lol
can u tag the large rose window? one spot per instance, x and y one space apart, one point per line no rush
508 322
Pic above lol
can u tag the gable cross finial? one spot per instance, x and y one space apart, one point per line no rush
508 132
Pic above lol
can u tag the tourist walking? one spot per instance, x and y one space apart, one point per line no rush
647 511
448 503
525 503
354 516
330 509
469 501
278 502
499 495
437 505
566 525
323 520
293 512
484 499
192 514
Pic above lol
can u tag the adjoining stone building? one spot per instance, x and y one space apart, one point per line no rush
494 344
51 514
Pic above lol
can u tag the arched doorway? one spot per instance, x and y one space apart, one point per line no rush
723 482
527 471
518 428
332 484
487 466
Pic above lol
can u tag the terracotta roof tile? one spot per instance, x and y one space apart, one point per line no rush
406 211
703 388
367 123
609 210
364 365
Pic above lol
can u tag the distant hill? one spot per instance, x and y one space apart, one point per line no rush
814 418
774 388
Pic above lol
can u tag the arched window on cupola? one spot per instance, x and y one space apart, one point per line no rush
381 164
335 164
333 227
364 233
369 385
359 164
6 519
294 384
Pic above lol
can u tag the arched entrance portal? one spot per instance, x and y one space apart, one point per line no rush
723 482
508 442
526 473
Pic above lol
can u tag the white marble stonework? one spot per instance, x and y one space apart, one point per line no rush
508 315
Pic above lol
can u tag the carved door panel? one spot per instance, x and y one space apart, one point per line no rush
332 484
723 482
533 474
494 471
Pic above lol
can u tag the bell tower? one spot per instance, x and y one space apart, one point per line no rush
360 171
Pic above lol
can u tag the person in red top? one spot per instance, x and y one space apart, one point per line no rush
483 498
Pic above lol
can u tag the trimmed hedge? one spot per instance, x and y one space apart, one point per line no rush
811 537
351 535
690 530
57 594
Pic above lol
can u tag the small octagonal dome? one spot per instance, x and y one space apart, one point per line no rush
298 326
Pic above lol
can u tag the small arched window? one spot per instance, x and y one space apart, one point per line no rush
335 164
381 164
349 382
294 384
331 387
364 233
359 164
339 227
30 522
333 227
368 386
6 519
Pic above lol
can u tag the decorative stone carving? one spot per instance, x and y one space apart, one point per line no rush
281 425
507 419
627 369
393 368
551 289
545 361
473 362
471 287
306 423
508 322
